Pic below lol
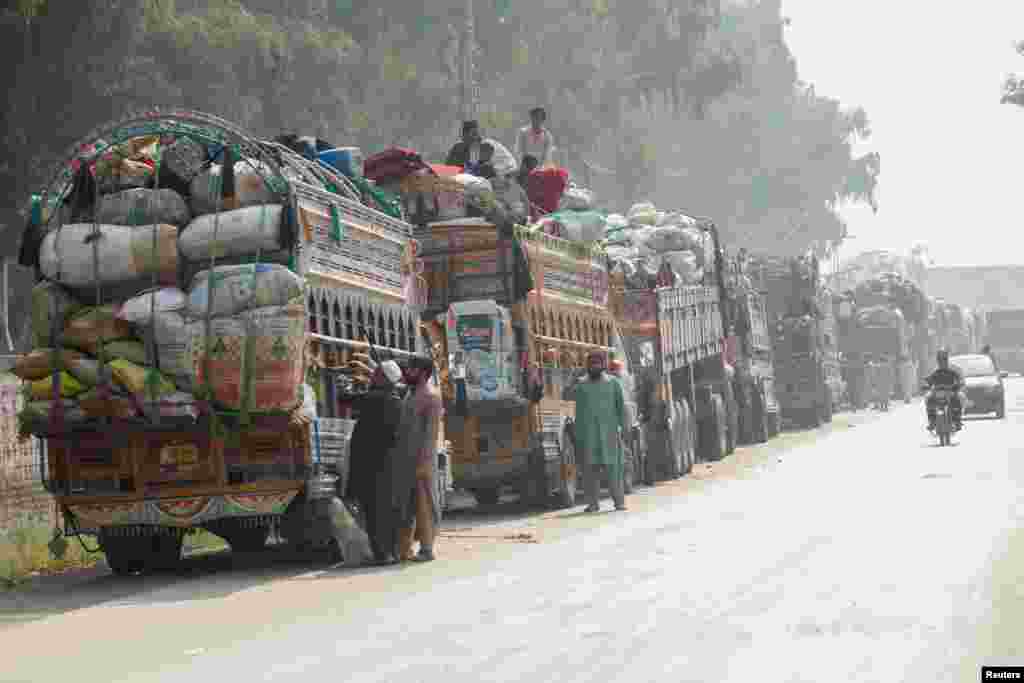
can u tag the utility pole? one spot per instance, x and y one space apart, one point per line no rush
470 89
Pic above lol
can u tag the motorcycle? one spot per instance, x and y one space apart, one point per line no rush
943 414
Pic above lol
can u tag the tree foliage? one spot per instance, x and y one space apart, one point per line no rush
1013 86
689 103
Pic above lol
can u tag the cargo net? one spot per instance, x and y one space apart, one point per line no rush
165 247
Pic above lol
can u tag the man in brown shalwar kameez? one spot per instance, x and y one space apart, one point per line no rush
420 430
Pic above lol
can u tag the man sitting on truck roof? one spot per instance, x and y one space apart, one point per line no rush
467 150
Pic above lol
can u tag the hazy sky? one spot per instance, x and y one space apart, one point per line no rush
929 75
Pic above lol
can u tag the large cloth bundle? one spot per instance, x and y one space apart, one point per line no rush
251 188
578 226
576 199
880 316
545 187
242 232
144 207
392 165
275 368
52 305
125 254
240 288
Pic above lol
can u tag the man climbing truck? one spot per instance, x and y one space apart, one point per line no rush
516 311
197 416
675 338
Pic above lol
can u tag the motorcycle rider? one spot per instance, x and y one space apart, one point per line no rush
945 376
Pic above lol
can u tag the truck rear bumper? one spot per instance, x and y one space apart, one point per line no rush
181 512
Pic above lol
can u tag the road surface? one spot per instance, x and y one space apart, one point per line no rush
862 554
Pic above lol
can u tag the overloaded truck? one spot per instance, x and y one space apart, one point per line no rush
888 320
676 337
1005 334
808 379
171 400
516 311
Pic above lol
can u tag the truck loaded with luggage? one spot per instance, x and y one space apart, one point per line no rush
200 294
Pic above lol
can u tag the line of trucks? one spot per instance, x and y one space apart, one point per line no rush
752 345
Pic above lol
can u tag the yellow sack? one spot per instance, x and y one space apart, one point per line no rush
133 378
42 390
112 406
126 349
38 364
92 326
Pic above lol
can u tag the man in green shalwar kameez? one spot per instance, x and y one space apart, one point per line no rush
600 415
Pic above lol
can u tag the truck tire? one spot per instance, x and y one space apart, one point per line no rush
758 418
826 416
774 421
134 554
714 431
242 538
629 458
686 428
490 495
674 443
567 471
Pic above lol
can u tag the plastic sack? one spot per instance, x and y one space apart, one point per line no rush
242 232
276 367
126 349
242 288
125 254
250 188
52 305
97 403
42 389
580 226
576 199
642 213
670 238
138 310
474 186
38 363
616 221
39 411
684 264
170 337
502 161
133 377
144 207
90 327
176 404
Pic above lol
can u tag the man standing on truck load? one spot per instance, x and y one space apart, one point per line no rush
535 140
373 465
417 445
600 418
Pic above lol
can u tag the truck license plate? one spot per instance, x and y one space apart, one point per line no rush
179 457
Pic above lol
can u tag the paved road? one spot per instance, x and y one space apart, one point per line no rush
866 555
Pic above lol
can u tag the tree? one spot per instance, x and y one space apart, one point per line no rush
1013 86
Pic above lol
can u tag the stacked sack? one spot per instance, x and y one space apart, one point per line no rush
646 242
892 289
159 350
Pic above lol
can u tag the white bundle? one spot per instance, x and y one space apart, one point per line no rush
242 288
250 187
138 309
242 232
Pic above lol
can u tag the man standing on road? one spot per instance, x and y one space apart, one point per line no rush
417 444
466 151
374 471
600 415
